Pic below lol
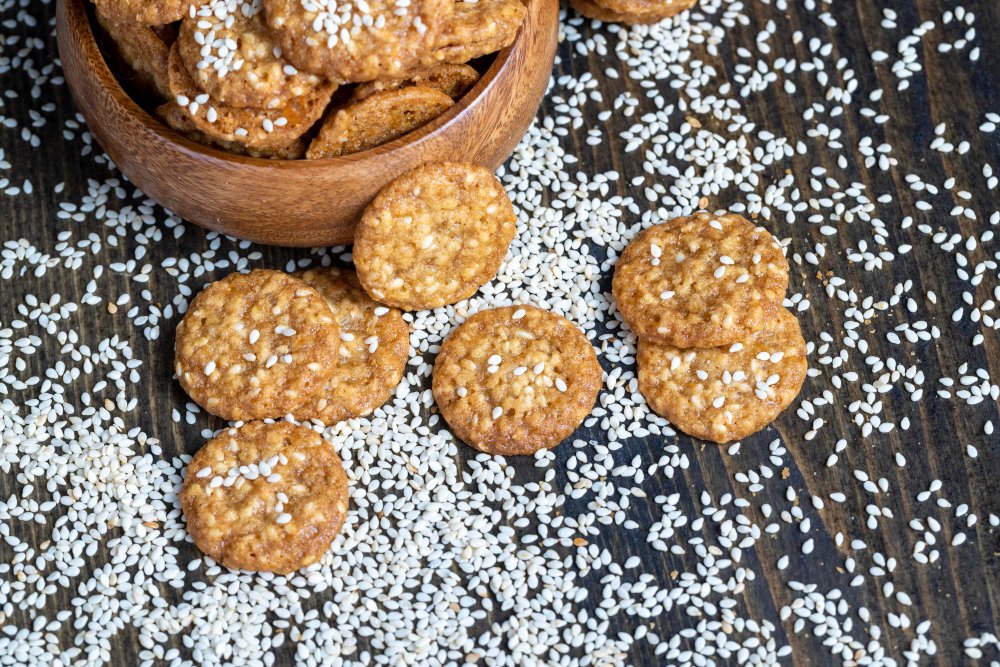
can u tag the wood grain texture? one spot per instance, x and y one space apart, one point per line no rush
300 203
960 594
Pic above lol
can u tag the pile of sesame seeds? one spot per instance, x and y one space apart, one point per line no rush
628 544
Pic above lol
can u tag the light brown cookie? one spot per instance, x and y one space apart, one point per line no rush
515 380
265 497
178 119
371 358
376 120
726 393
476 29
452 80
256 345
144 51
229 53
631 12
254 128
433 236
145 12
349 42
700 281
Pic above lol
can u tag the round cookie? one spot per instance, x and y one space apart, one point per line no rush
265 497
256 345
177 118
229 53
700 281
476 29
374 348
376 120
350 42
254 128
452 80
515 380
145 12
433 236
726 393
640 12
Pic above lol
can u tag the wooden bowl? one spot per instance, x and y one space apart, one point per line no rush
300 202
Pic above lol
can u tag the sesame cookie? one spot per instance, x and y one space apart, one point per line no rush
256 345
700 281
177 118
476 29
144 50
265 497
374 347
726 393
376 120
515 380
433 236
634 12
229 53
145 12
355 41
452 80
253 128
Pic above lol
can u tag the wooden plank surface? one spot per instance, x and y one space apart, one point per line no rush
959 594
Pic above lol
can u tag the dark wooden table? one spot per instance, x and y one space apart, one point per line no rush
959 593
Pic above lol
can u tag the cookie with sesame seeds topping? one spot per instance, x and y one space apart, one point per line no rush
374 347
145 12
144 50
700 281
228 50
177 118
265 497
631 12
451 79
475 29
433 236
515 380
376 120
256 345
726 393
253 128
357 40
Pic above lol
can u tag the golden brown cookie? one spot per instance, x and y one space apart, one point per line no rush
726 393
452 80
265 497
377 120
256 345
476 29
360 41
515 380
145 12
254 128
633 12
433 236
177 118
700 281
374 348
144 50
229 53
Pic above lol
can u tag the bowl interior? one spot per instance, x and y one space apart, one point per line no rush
98 60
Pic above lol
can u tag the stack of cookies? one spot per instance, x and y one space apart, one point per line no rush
719 356
257 346
631 12
287 79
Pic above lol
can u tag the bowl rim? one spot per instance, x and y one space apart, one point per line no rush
83 31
